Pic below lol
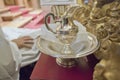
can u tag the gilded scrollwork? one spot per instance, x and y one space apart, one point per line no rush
109 51
76 12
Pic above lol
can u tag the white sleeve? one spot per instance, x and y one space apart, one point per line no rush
4 73
9 61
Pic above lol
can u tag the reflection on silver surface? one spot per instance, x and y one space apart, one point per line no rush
53 48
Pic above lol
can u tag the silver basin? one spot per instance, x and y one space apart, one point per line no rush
80 49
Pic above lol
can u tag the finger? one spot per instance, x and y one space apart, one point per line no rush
28 45
29 42
27 38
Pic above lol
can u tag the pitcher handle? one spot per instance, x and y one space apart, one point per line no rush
46 21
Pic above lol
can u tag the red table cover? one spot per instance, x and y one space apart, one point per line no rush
47 69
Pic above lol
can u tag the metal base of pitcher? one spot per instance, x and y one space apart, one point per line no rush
72 62
66 62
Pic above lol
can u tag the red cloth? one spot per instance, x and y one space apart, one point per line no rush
22 11
37 22
47 69
13 8
34 22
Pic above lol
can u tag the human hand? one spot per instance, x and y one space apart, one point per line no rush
25 41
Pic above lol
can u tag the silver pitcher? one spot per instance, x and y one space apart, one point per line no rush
66 32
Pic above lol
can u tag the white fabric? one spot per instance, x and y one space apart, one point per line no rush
12 58
13 33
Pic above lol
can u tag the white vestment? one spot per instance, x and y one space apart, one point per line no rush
11 57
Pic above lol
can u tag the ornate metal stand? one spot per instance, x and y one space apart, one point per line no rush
64 62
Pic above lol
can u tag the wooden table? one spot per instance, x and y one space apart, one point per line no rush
3 10
47 69
9 16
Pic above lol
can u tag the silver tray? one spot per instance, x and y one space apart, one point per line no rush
54 48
